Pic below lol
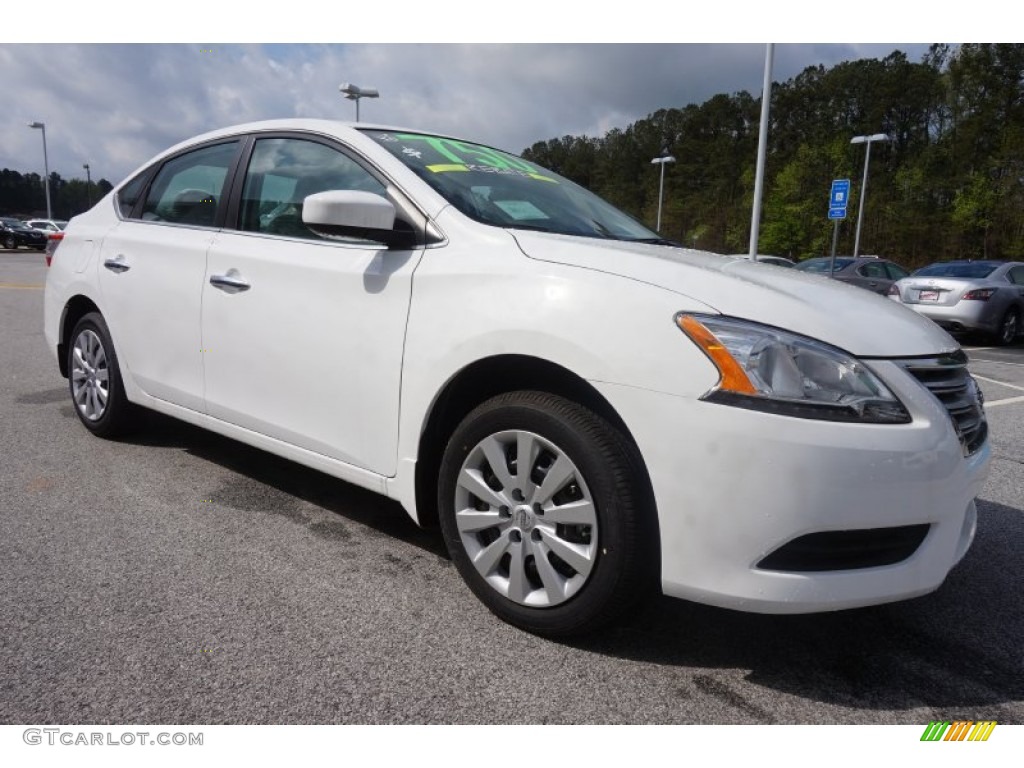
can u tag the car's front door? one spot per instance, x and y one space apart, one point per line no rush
151 269
303 336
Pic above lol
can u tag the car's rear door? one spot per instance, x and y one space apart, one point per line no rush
303 336
151 271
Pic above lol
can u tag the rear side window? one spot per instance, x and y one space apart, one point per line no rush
872 269
189 188
1017 275
128 195
896 272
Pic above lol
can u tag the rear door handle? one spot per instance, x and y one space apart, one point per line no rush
117 265
230 283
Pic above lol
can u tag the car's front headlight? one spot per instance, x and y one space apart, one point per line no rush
767 369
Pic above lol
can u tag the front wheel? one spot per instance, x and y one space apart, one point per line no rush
542 512
10 243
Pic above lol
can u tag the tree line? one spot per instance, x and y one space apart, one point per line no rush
24 195
949 183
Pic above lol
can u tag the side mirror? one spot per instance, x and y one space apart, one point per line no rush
354 215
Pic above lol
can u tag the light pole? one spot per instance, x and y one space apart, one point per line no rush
864 184
665 158
762 150
46 167
88 185
355 93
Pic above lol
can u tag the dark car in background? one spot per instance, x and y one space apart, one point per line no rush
963 296
868 272
15 234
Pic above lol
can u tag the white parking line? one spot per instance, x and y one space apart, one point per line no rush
977 349
1006 401
990 360
997 381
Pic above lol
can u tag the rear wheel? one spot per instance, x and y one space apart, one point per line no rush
542 514
95 379
1009 327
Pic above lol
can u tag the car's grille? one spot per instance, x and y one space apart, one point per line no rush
947 378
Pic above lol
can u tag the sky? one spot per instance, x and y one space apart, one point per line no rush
115 95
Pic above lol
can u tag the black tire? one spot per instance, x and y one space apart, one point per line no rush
10 243
1009 328
607 478
114 417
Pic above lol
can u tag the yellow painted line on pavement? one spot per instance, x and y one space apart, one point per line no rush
23 286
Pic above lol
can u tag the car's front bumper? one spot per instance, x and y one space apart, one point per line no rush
733 485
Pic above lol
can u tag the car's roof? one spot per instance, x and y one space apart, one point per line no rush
319 125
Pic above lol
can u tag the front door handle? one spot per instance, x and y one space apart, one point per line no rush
230 283
117 265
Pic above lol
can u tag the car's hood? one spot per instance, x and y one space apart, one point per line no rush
854 319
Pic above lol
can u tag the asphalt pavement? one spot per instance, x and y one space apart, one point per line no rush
180 577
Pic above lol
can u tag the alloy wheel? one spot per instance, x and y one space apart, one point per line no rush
90 376
526 518
1008 332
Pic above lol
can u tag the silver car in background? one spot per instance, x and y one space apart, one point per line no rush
964 296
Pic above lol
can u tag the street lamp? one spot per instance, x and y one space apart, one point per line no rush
46 167
355 93
864 184
88 185
665 158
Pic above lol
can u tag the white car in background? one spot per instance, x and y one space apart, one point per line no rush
47 226
763 258
590 413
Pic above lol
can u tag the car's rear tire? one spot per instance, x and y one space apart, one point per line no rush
1009 328
94 379
567 543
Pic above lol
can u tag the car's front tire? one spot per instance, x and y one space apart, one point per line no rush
1009 328
10 243
560 542
94 379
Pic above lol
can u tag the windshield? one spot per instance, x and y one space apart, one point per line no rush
494 187
958 269
822 265
15 224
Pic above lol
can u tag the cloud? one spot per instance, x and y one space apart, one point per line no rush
114 106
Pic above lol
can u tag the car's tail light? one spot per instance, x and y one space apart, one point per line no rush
51 246
894 291
980 294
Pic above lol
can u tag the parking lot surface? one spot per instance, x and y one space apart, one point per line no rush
180 577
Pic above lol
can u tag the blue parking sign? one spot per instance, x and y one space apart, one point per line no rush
837 198
840 193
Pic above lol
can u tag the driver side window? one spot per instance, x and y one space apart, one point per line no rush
283 172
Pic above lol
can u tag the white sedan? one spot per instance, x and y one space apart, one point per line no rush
590 412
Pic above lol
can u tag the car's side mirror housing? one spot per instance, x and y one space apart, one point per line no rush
342 214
